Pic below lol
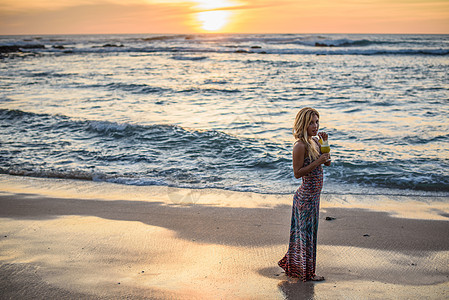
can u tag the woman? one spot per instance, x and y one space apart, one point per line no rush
300 260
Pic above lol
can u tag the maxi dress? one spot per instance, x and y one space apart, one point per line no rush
300 260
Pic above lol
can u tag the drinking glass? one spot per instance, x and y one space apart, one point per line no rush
325 148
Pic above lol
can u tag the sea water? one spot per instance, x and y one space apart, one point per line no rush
216 110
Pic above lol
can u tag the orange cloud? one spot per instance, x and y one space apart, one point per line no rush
97 18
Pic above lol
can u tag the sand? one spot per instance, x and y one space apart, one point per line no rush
66 239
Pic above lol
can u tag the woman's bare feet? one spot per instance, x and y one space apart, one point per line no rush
317 278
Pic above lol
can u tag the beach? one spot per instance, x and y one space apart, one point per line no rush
159 166
66 239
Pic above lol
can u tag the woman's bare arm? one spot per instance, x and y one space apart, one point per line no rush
299 170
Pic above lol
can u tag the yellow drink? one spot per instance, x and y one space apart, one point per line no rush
325 148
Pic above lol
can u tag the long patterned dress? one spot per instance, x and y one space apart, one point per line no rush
300 260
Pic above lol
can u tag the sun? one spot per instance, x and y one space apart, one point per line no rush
214 15
213 20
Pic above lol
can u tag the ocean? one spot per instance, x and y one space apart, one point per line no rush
216 110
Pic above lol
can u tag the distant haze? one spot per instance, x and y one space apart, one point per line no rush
233 16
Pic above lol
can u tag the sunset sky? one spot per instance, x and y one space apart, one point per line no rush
235 16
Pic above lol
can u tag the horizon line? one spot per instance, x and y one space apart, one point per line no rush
218 33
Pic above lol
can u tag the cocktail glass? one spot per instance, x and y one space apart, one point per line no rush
325 148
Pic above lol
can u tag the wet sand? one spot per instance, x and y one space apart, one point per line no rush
73 239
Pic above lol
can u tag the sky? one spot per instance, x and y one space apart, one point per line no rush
230 16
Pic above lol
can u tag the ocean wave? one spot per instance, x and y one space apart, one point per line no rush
107 127
58 146
49 173
364 187
315 51
364 52
158 133
397 174
189 57
322 42
318 40
11 114
132 88
196 52
20 48
147 89
209 90
165 38
137 88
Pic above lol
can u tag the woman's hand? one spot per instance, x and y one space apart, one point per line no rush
323 135
324 158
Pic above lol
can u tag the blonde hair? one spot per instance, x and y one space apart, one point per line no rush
302 122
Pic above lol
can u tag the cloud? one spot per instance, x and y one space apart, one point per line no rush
20 6
250 5
14 6
97 18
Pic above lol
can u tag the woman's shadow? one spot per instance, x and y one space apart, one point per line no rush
297 290
290 288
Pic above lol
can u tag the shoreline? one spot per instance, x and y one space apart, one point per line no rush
66 239
430 207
